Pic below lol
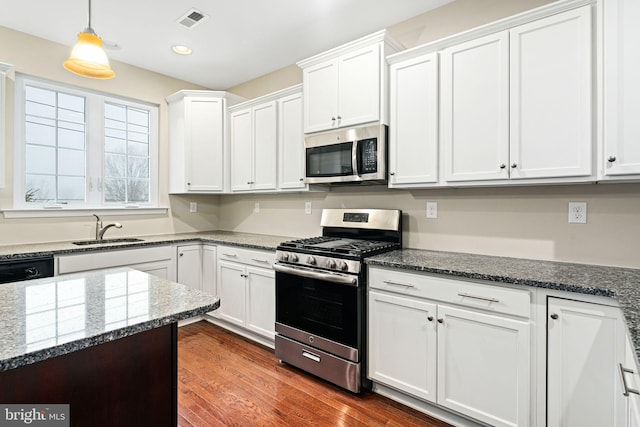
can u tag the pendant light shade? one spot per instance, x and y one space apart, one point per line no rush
88 58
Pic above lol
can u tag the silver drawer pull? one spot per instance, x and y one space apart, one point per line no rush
311 356
404 285
231 255
264 261
627 390
477 297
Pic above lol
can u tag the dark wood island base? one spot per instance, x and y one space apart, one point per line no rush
131 381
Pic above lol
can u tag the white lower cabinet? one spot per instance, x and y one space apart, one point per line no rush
190 266
246 287
585 351
444 341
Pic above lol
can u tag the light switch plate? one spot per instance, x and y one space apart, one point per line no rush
307 208
193 207
256 207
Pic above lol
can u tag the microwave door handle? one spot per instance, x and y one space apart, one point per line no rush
354 158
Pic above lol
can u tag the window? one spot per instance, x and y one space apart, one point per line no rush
81 149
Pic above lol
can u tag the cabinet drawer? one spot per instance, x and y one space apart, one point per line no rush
253 257
516 302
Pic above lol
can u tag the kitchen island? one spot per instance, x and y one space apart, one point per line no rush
104 342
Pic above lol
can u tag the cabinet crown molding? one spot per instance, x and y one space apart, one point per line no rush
273 96
382 36
491 28
231 98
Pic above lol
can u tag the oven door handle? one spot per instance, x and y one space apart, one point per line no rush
343 279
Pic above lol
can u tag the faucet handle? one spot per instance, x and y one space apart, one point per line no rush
97 217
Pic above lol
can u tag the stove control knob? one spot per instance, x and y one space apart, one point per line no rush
311 260
294 258
284 256
342 266
331 264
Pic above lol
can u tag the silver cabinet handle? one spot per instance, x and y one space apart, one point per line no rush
392 173
477 297
430 318
339 118
231 255
627 390
311 356
611 159
181 254
404 285
264 261
502 166
554 316
333 119
441 321
514 165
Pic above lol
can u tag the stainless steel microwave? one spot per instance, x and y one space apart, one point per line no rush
352 155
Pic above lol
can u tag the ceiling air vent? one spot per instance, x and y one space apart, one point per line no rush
191 18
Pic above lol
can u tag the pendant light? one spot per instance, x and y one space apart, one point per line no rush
88 58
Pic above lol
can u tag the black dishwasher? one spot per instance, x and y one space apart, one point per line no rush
17 269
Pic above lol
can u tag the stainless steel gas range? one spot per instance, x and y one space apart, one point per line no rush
321 293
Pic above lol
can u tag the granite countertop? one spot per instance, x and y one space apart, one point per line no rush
622 284
44 318
248 240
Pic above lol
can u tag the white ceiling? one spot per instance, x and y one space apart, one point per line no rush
240 40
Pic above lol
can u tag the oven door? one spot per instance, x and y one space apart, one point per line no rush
320 308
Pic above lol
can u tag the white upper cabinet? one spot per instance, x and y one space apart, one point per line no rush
551 88
347 85
291 153
253 148
621 154
196 141
475 109
413 128
266 143
518 104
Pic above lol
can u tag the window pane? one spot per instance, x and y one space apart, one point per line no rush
115 166
138 167
40 110
138 136
70 189
43 96
70 139
71 103
70 116
115 112
115 133
41 160
36 133
114 145
71 163
115 124
115 190
40 188
138 117
137 149
138 190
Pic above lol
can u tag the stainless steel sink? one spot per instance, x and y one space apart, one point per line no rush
106 241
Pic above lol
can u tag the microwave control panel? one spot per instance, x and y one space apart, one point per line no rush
368 155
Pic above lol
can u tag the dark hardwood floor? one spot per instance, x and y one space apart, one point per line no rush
226 380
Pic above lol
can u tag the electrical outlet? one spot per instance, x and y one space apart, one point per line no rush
307 208
432 210
256 207
193 207
577 212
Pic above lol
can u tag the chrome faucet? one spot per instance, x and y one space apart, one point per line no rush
100 230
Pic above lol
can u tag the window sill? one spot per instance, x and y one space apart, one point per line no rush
71 212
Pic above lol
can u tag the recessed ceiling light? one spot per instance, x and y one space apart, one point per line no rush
181 50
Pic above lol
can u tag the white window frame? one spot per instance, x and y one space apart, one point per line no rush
94 200
5 69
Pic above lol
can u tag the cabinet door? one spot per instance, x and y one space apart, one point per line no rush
585 345
475 109
261 301
621 87
483 366
204 136
241 152
632 378
551 102
291 169
320 84
209 258
413 130
359 87
231 289
402 344
190 266
264 144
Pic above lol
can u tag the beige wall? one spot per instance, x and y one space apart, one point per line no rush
37 57
528 222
